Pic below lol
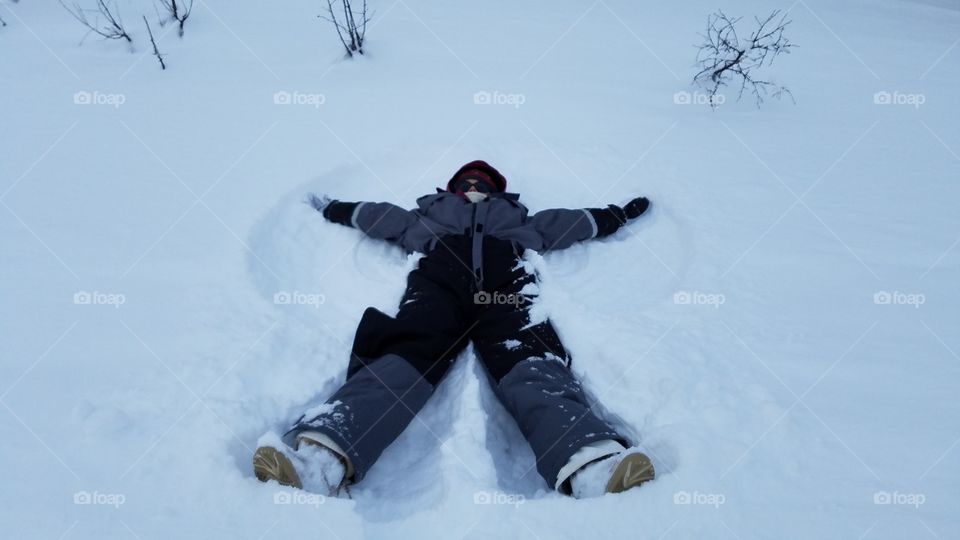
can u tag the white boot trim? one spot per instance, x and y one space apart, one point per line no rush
324 440
587 453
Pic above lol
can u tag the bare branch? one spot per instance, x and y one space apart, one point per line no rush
350 32
154 43
178 12
338 26
112 28
723 57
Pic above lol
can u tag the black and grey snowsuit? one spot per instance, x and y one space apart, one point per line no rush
468 288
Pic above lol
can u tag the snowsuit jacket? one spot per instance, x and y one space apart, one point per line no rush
501 215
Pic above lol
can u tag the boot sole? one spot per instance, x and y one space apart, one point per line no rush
270 464
632 471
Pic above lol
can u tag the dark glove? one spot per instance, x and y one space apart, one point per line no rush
636 207
613 217
608 219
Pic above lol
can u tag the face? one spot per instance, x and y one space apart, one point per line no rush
475 196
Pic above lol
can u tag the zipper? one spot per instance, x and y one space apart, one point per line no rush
476 255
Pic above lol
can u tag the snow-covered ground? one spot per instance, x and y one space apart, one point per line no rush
780 331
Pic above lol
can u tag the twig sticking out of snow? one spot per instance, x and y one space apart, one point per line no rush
356 32
112 27
178 12
154 43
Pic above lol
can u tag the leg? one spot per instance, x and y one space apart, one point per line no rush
394 366
531 372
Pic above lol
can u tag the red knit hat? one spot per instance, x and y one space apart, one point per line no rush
480 170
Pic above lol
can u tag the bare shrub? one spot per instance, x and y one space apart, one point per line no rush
724 58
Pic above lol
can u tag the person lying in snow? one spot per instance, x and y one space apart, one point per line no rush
473 235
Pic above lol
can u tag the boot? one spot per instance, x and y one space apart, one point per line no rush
312 467
612 474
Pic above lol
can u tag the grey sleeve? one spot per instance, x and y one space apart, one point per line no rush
560 228
385 221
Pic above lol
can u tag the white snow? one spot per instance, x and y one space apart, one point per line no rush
512 343
776 332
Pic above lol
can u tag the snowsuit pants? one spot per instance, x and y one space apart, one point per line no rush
396 362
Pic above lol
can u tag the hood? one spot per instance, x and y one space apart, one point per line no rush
479 164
